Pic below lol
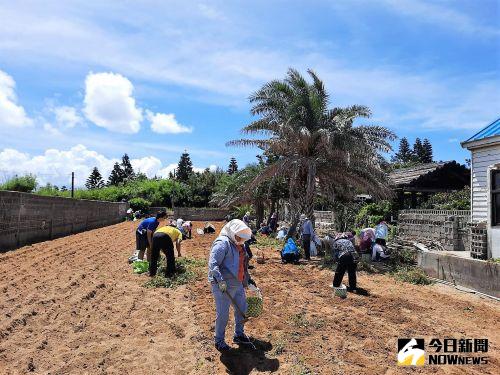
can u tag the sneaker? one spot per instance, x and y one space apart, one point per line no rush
242 340
222 346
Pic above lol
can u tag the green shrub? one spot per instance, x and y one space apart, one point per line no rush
371 213
413 275
139 204
458 200
24 184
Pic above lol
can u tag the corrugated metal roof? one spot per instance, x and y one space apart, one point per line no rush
491 130
405 176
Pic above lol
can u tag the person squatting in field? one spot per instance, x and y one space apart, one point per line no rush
144 234
164 239
228 276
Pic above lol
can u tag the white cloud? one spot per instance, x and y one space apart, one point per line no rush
67 117
11 113
165 123
109 103
52 130
55 166
441 15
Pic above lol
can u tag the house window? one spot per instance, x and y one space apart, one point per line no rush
495 198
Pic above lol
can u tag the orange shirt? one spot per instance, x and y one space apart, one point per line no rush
241 268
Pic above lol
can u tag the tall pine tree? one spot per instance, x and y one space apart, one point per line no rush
128 171
427 154
405 153
94 181
184 168
116 176
418 151
233 166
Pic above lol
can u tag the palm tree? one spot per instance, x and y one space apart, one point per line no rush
315 147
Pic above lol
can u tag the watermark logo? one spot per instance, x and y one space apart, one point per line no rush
447 351
411 352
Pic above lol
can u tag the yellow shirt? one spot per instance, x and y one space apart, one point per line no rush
173 233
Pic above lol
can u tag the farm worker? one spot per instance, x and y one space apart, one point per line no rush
306 233
347 258
381 232
246 219
164 239
378 251
144 234
228 275
366 239
264 229
273 222
208 228
187 227
290 252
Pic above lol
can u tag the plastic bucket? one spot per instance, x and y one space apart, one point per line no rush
340 291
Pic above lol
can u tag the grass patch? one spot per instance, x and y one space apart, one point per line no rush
187 269
363 265
279 346
299 320
412 275
268 241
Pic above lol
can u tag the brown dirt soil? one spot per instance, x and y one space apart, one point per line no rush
73 306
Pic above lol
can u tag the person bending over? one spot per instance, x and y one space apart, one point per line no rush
164 239
347 258
144 234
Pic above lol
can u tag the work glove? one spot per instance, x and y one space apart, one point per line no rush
222 286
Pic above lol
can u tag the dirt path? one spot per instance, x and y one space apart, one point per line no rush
73 306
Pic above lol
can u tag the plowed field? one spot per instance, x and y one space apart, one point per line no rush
73 306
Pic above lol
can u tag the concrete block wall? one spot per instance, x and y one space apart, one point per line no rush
476 274
200 214
28 218
450 228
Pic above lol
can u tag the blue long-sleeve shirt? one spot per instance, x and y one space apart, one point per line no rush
307 228
224 262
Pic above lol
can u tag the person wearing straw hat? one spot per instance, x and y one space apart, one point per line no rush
228 276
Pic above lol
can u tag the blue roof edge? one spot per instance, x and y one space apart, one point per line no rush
473 138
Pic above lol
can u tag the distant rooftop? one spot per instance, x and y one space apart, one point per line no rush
405 176
491 130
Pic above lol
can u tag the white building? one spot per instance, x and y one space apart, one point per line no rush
485 182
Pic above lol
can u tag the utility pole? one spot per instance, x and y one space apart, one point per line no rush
72 184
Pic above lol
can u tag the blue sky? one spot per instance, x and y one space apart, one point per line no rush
82 82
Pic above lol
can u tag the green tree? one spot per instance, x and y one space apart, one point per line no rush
94 181
405 153
418 151
233 166
427 153
316 147
184 168
116 176
128 171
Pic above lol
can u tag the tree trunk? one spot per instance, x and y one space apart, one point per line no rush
271 211
310 192
259 212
